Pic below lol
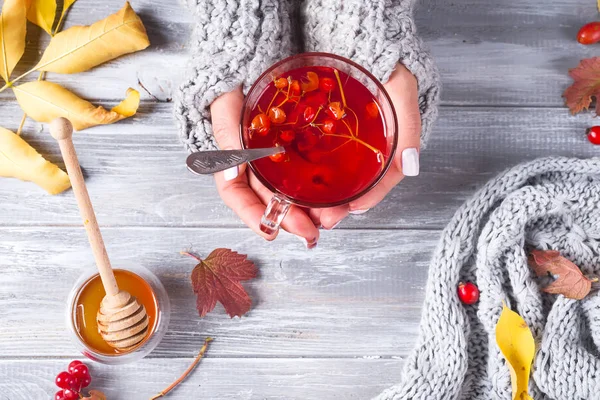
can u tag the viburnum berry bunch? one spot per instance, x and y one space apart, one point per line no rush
72 381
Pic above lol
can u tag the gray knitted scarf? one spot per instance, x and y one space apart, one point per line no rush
550 203
234 41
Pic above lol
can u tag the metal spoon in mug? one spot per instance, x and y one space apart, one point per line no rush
209 162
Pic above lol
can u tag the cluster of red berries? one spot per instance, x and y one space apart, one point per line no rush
76 377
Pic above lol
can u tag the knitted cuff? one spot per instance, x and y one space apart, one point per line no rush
376 34
232 43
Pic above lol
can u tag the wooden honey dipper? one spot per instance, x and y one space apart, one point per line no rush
122 321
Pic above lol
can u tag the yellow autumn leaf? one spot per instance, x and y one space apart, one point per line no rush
44 101
19 160
80 48
13 24
518 347
66 5
42 13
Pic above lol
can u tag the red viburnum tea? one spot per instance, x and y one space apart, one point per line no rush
332 129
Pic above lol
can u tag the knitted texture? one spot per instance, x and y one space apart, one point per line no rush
235 40
376 34
550 203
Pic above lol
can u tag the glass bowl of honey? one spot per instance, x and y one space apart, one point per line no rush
84 302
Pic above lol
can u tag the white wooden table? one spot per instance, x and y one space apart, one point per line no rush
333 323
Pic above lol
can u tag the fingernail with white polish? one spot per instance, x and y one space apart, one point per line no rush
410 162
358 212
231 173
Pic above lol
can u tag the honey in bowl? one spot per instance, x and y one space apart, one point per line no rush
87 304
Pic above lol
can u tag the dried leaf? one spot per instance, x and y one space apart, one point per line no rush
19 160
586 85
95 395
217 278
66 5
518 347
569 282
42 13
13 25
44 101
80 48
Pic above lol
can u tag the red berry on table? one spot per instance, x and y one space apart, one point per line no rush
76 383
593 135
589 33
80 371
326 84
69 394
85 381
468 293
59 395
72 365
64 380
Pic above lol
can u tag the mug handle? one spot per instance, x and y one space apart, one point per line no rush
274 214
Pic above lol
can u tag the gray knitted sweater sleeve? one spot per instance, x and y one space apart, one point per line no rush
232 43
235 40
376 34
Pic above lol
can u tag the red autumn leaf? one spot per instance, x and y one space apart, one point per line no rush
586 75
218 277
569 282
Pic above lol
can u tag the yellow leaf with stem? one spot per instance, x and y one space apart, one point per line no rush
80 48
19 160
518 347
13 25
42 13
44 101
66 5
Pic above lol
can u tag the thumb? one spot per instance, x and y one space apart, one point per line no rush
403 90
226 112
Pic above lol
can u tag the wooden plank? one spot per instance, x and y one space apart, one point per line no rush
218 379
136 174
358 294
515 54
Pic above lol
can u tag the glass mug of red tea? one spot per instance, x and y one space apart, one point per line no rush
336 123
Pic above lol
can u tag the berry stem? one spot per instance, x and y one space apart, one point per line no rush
185 253
356 118
287 95
187 371
337 76
273 99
